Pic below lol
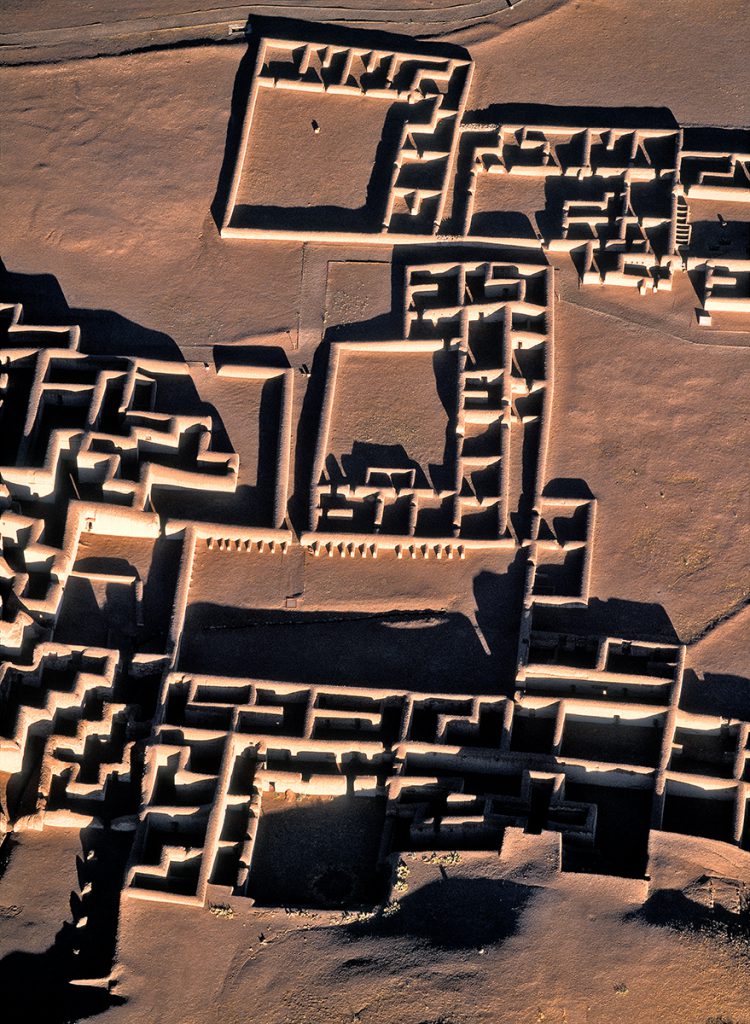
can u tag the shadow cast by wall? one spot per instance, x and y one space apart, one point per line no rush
673 909
567 487
107 335
45 986
37 986
637 620
103 332
426 651
542 114
453 913
272 356
308 427
318 853
716 694
365 455
423 650
259 27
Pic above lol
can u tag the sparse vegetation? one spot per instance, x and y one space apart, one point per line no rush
298 912
444 859
264 622
402 878
357 916
221 910
694 560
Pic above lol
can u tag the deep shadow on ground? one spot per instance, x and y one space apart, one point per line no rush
673 909
43 986
453 913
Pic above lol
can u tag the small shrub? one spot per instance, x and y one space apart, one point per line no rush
442 859
221 910
401 884
298 912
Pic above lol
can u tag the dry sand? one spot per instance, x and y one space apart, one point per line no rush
114 143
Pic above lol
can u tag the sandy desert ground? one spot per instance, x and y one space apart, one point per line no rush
374 517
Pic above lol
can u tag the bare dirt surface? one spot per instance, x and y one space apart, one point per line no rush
443 961
375 567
